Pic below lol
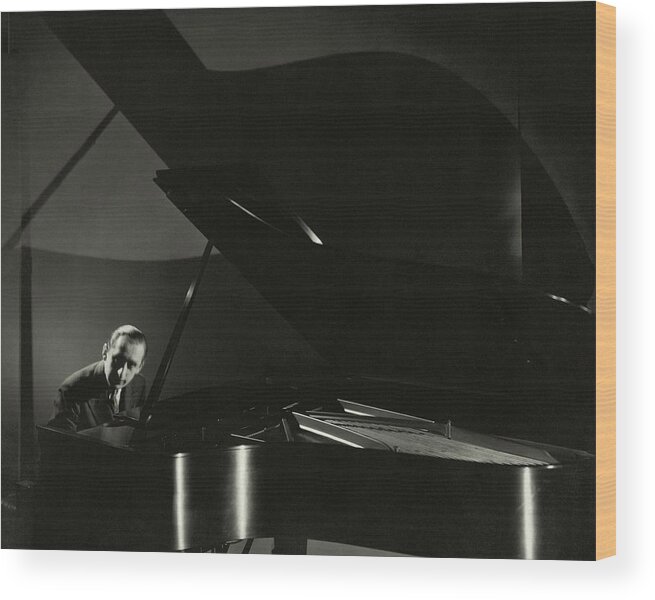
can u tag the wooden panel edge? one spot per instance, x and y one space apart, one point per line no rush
605 280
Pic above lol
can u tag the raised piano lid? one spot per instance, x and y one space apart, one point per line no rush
381 151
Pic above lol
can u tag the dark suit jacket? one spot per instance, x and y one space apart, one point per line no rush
83 399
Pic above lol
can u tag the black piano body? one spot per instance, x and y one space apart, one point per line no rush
115 488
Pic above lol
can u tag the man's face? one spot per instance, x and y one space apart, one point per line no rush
122 361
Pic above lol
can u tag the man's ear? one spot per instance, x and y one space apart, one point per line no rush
105 349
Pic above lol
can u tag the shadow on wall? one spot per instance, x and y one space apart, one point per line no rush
77 301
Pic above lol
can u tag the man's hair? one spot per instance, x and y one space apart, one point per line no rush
134 334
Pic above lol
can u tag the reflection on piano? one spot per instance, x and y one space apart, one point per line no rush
311 470
455 396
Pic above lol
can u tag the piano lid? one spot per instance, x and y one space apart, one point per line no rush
378 152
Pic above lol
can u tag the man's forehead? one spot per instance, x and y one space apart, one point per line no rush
125 345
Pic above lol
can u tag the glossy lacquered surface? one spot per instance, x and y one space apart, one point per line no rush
99 496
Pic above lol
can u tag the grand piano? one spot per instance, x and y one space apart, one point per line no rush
456 415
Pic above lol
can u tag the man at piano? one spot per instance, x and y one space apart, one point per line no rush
112 386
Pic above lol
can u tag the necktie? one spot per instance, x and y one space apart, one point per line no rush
114 400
